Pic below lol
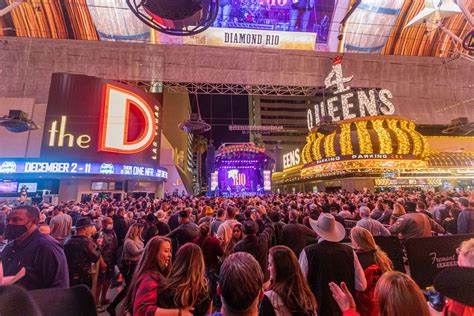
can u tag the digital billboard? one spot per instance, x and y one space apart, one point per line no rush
374 26
33 167
92 119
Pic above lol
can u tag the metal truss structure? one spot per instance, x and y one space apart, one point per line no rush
227 88
240 89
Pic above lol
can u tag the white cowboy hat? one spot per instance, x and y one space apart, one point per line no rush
327 227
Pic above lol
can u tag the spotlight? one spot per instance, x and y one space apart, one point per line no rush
176 17
17 122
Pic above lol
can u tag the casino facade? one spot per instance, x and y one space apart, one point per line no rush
407 79
375 153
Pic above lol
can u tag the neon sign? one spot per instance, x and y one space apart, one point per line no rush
101 120
80 168
114 127
347 104
292 159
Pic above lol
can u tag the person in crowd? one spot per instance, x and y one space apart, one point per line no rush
373 226
466 217
108 250
330 261
82 253
374 262
421 208
60 224
151 229
240 286
44 229
378 211
257 245
414 225
457 283
387 213
163 227
450 223
436 208
212 251
397 295
220 217
133 248
295 235
346 213
185 232
154 265
288 293
398 211
237 235
186 287
208 215
120 225
224 232
40 255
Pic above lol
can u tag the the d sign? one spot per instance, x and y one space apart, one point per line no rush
115 122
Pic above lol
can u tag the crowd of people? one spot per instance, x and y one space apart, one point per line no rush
286 254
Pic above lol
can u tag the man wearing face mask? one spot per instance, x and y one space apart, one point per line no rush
81 253
41 255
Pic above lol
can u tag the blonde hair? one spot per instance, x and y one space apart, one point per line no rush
365 241
134 231
398 295
467 251
398 209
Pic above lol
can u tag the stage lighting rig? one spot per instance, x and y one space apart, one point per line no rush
17 122
176 17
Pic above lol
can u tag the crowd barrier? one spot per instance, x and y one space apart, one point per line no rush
428 256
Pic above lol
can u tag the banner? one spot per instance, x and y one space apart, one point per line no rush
428 256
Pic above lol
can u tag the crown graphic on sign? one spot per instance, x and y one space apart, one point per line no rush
337 60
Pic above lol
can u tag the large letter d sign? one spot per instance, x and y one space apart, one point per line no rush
115 124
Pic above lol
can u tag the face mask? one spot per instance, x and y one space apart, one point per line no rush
12 232
110 227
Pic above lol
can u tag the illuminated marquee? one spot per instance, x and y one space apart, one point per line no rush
101 120
347 104
291 159
115 122
80 168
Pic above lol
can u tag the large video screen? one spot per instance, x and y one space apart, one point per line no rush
240 180
8 187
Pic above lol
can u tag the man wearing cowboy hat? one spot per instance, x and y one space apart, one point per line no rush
330 261
81 253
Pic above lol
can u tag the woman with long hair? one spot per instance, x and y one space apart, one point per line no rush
133 248
237 236
374 262
288 294
398 211
154 265
396 294
212 251
367 250
186 286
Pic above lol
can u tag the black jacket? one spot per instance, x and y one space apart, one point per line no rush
80 253
297 236
257 246
120 228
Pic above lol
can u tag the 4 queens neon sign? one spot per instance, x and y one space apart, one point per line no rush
118 104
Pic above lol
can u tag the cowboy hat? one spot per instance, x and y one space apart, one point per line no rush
83 222
327 227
